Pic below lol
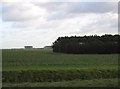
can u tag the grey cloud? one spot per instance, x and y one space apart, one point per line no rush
72 9
17 11
57 15
92 7
56 10
50 6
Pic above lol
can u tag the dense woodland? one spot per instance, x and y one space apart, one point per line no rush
104 44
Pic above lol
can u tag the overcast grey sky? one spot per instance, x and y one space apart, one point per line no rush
41 23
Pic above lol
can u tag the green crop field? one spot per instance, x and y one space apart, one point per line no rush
41 66
46 59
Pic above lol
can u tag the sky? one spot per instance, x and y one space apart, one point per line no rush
39 24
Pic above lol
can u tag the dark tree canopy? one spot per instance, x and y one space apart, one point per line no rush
104 44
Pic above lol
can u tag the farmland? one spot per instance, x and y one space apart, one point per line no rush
41 66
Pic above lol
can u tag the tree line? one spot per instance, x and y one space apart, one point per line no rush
104 44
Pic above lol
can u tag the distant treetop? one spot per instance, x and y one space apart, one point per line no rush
87 44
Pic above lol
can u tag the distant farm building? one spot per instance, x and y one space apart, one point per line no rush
48 47
28 47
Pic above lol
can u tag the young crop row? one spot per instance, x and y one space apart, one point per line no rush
56 75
